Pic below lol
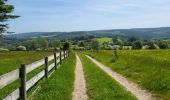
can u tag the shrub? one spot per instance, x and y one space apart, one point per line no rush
163 45
152 45
137 45
21 48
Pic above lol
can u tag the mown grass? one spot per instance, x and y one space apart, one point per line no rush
60 85
100 86
102 40
12 60
149 68
16 59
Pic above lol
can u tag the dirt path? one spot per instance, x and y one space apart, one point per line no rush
79 92
130 86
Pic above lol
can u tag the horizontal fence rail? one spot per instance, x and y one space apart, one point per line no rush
12 76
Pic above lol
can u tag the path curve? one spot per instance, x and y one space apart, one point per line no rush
79 92
130 86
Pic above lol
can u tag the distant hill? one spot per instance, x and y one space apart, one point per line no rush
144 33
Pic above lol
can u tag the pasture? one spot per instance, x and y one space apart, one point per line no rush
102 40
10 61
13 60
148 68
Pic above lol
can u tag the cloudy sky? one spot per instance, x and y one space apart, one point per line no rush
76 15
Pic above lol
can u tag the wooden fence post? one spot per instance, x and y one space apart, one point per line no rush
22 75
64 54
116 54
55 61
60 56
46 67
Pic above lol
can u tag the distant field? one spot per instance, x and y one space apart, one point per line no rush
102 40
149 68
12 60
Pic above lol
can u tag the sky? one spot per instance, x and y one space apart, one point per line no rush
82 15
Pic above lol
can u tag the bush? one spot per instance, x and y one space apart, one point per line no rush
3 49
152 45
21 48
137 45
163 45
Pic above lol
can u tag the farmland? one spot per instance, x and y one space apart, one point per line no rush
148 68
98 81
12 60
102 40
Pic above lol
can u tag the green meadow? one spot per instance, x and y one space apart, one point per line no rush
148 68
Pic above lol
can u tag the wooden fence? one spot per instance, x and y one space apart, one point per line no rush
22 72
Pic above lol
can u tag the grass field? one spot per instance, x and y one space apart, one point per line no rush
102 40
60 85
12 60
149 68
100 86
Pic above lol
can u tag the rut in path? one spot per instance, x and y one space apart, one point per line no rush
79 92
139 93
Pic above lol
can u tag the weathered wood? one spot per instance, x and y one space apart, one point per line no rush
60 56
32 66
13 96
51 66
46 67
30 83
50 57
9 78
22 75
64 54
55 61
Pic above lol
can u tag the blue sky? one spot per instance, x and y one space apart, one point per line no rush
76 15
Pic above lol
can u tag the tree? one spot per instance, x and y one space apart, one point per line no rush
162 44
66 46
95 45
137 44
152 45
5 10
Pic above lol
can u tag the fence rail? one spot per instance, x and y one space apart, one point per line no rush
12 76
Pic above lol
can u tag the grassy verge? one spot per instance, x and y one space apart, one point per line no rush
149 68
60 85
101 86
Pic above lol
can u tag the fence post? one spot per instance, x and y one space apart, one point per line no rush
22 75
46 67
55 61
60 56
116 54
64 54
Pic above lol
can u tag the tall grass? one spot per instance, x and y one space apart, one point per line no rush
149 68
101 86
60 85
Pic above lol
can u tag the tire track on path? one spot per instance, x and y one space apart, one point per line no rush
139 93
79 92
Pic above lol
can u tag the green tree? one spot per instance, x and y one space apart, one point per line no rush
95 45
66 46
163 44
138 44
5 15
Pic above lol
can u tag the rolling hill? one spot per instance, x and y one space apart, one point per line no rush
144 33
